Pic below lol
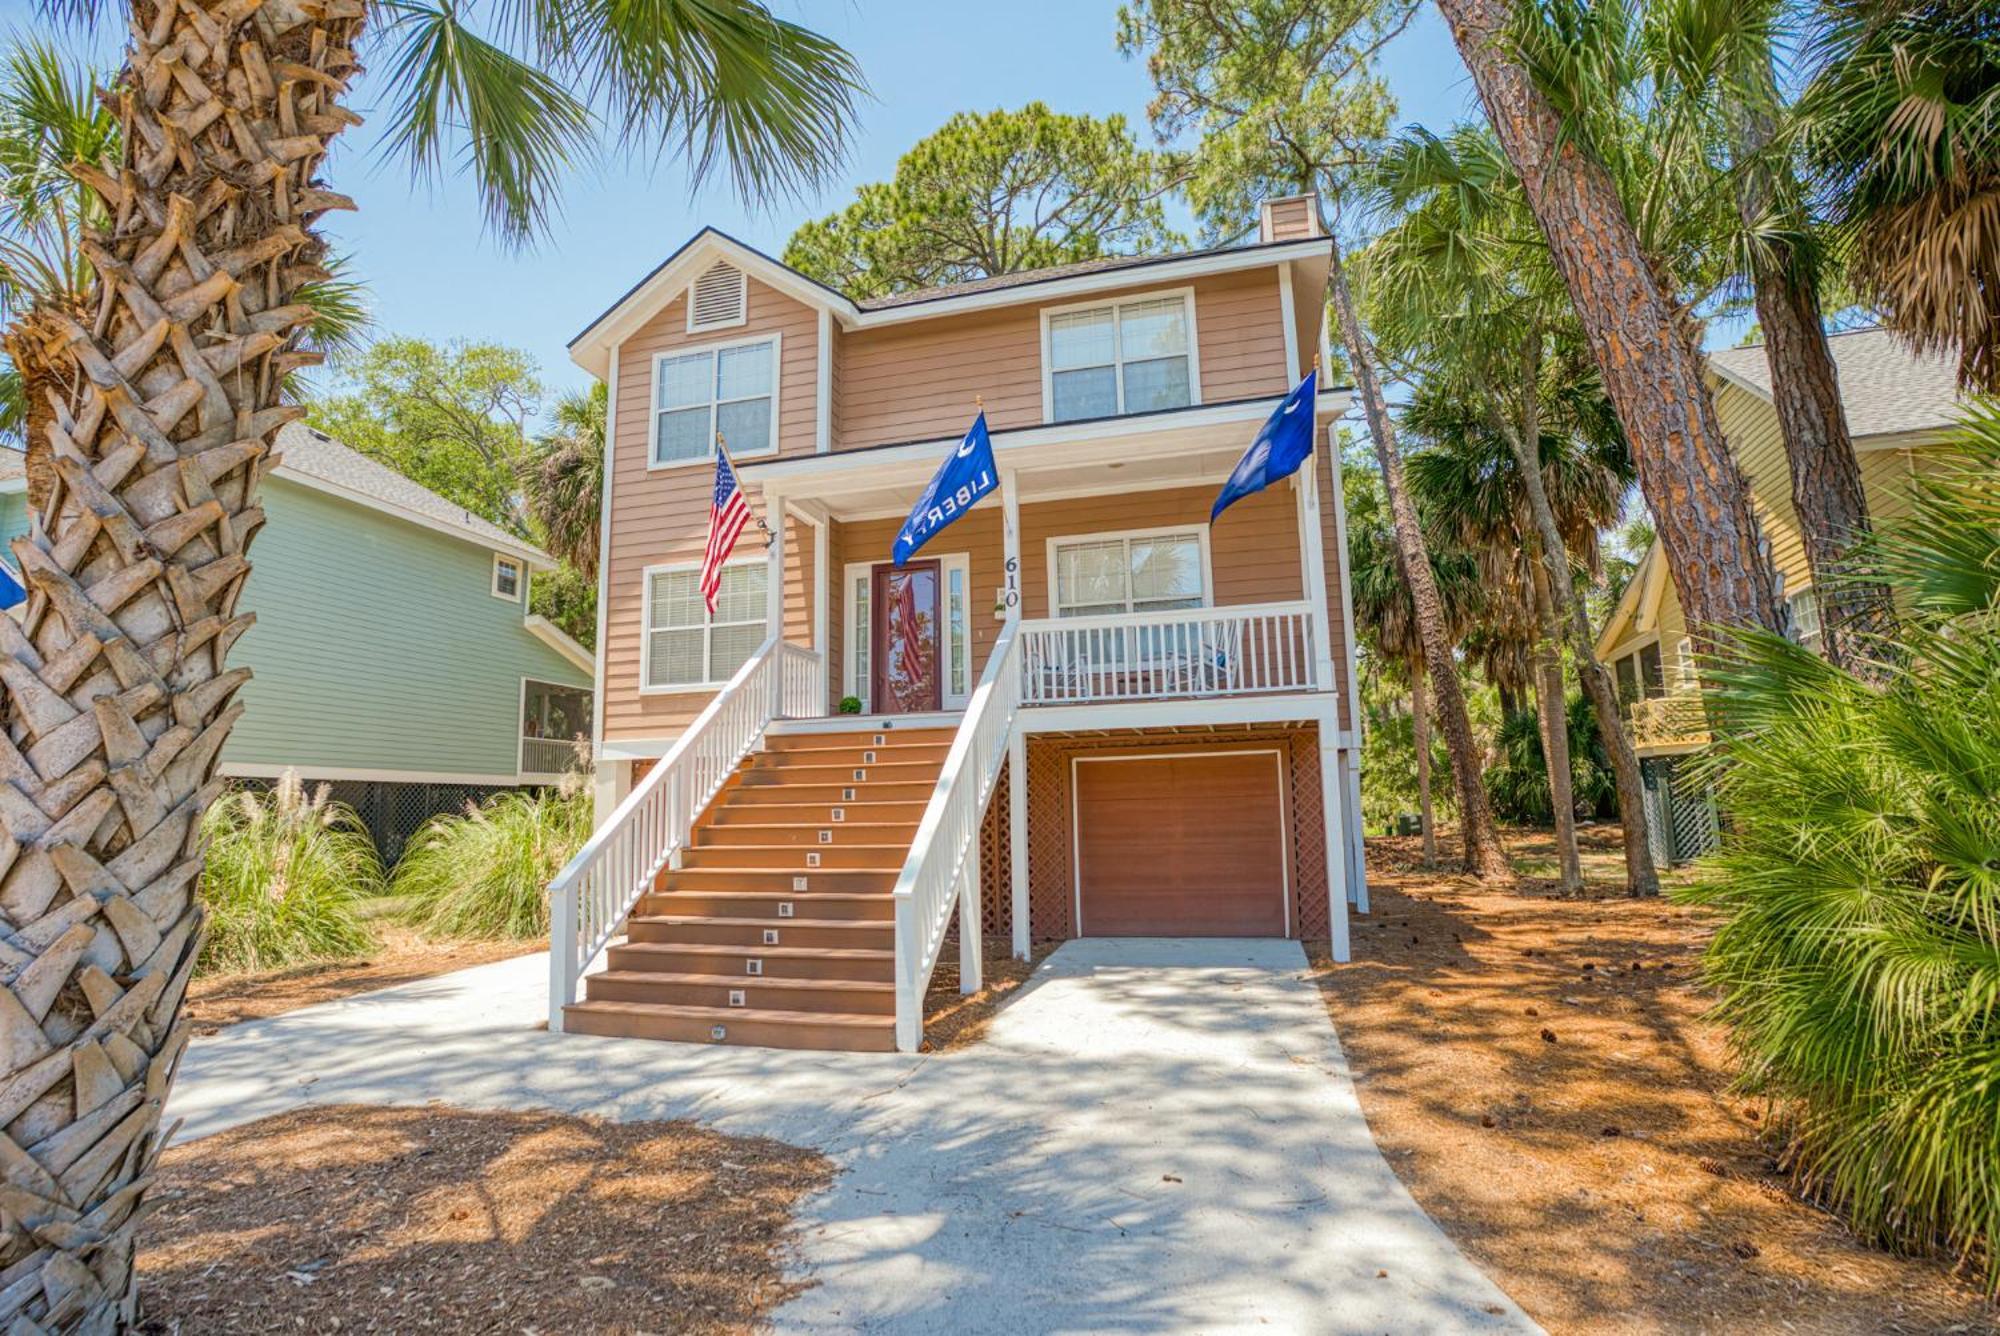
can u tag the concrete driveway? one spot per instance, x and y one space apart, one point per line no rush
1157 1136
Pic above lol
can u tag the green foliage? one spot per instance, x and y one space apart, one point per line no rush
569 599
486 874
1858 954
283 878
452 416
850 705
563 479
50 120
993 193
1518 783
1389 760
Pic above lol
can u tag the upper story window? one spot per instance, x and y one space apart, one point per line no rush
1138 572
1132 356
684 646
507 575
719 299
1804 610
727 388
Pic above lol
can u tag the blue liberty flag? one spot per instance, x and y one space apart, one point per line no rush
1281 446
966 475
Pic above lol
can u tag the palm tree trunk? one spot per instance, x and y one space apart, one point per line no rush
1643 343
1420 735
1484 856
118 696
1827 493
1552 699
26 351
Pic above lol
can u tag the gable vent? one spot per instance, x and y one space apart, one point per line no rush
716 301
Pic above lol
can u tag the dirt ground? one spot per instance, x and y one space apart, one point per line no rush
396 1220
1540 1073
953 1021
403 957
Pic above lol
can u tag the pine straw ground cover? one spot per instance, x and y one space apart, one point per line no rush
1541 1075
397 1220
954 1021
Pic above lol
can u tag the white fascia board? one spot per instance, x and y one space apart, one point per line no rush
1302 707
533 557
560 641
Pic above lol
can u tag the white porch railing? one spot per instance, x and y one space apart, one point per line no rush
592 895
942 871
1234 651
799 692
549 756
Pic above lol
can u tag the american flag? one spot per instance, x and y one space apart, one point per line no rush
728 512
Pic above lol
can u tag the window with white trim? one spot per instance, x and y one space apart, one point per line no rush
1137 573
728 389
1684 662
1124 357
507 575
685 647
1803 608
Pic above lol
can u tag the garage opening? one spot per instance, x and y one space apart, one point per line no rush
1182 844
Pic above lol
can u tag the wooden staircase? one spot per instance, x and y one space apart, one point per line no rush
778 929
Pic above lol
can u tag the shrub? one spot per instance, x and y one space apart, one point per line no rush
283 878
1517 784
486 873
1858 954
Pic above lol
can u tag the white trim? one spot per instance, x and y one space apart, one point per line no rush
646 624
528 555
1284 818
1186 294
1198 531
1288 313
311 773
559 640
520 578
823 387
589 348
849 638
597 662
714 348
822 556
742 300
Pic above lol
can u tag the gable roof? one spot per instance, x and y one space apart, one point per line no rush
1886 389
310 457
591 348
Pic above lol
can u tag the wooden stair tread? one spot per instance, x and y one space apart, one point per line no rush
723 921
769 952
738 981
848 1019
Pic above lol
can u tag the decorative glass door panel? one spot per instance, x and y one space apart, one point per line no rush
905 659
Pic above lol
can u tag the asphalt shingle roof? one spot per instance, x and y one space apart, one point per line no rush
1883 385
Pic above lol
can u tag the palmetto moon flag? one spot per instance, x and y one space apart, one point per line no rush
1281 446
966 475
11 591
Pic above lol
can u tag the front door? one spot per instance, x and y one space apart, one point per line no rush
905 663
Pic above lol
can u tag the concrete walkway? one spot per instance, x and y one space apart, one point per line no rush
1157 1136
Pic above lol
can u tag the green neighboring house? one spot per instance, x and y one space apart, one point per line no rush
394 656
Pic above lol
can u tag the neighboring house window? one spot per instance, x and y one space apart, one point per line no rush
685 647
1804 617
1117 573
729 389
1627 670
1652 680
1125 357
506 578
1684 663
554 719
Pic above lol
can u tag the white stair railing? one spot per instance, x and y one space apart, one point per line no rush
942 870
1227 651
594 892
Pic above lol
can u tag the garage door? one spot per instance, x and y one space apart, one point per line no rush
1181 845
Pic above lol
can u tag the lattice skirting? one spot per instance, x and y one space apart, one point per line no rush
393 812
1051 881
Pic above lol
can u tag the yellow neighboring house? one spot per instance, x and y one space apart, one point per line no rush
1899 407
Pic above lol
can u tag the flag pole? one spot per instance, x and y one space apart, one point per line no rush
730 460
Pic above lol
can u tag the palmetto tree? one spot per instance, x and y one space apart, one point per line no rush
1902 126
564 480
118 691
1464 291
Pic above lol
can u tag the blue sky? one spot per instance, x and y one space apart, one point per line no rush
433 272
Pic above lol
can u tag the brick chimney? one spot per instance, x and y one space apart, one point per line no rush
1289 218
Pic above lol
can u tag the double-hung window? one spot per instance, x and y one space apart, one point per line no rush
1137 573
1124 357
1803 608
729 390
685 647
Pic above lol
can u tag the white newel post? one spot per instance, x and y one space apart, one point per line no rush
1017 742
774 594
1331 791
562 957
971 928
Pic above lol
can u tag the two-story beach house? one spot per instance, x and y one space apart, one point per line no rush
1899 406
1082 709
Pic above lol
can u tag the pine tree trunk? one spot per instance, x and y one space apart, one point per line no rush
1642 341
1827 493
1552 698
1484 856
1420 734
118 698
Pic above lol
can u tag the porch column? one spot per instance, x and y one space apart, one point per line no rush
774 591
971 930
1312 561
1357 862
1017 741
1331 801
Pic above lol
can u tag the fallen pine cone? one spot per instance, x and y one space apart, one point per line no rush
1548 1035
